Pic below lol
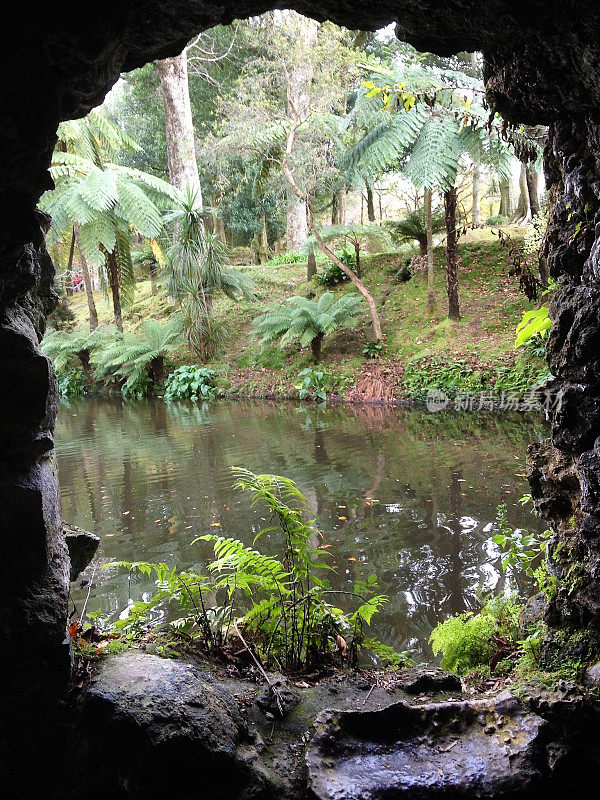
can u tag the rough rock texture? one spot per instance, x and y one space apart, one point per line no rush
82 546
465 749
154 727
150 727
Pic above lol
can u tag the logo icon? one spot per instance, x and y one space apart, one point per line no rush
436 400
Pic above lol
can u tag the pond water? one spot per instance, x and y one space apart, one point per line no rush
404 493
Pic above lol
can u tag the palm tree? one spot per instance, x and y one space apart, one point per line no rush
357 236
307 321
196 272
420 121
105 203
137 356
413 228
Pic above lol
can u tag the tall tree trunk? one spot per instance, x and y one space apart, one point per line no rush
311 267
532 179
450 200
505 209
300 77
181 150
431 298
357 259
222 235
153 279
370 205
113 279
87 282
475 210
337 207
523 211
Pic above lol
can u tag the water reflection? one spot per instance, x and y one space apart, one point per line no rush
404 493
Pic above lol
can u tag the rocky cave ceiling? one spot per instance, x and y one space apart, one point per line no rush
542 59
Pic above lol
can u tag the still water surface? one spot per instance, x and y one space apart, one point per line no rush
404 493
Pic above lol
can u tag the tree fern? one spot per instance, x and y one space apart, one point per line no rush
307 321
136 357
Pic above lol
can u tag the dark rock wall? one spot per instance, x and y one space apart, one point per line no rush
542 65
571 502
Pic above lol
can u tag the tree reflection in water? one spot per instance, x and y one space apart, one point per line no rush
404 493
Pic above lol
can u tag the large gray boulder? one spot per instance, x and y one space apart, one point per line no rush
439 750
153 727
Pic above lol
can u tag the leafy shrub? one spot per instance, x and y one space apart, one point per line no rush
465 640
71 382
373 349
138 359
288 619
191 383
498 219
306 321
525 551
293 257
332 275
534 324
313 385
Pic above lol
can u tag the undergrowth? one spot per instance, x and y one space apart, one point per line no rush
291 617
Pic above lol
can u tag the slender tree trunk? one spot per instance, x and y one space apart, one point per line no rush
311 267
532 179
523 212
87 282
222 235
475 210
337 207
505 209
153 277
431 298
181 150
370 205
357 257
315 347
113 279
84 357
450 199
299 81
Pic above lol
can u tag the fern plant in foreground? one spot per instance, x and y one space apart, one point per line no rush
288 619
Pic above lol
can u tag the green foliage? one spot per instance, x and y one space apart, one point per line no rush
306 321
107 201
196 273
288 619
499 219
465 641
191 383
525 551
139 359
332 274
313 385
373 349
414 227
536 323
71 382
291 257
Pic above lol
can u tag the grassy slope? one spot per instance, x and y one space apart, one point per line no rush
491 307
